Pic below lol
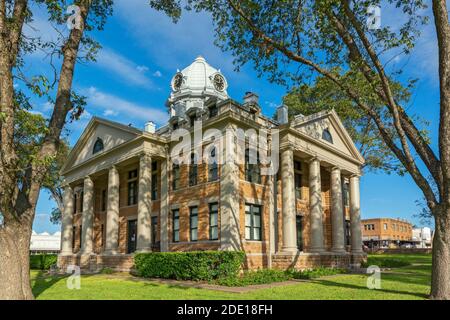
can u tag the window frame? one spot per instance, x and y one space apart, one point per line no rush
298 177
252 222
211 226
191 228
193 171
99 146
175 217
213 168
176 176
252 170
132 188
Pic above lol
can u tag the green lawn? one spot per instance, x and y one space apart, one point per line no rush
410 282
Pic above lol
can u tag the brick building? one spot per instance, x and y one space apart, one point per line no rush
386 232
126 189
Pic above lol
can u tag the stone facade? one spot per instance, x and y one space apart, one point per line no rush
126 192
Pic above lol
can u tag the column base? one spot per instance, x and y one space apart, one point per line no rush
143 250
317 250
338 250
66 253
110 252
290 250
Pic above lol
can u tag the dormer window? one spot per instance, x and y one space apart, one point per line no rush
326 135
98 146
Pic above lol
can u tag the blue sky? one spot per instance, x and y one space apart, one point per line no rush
142 50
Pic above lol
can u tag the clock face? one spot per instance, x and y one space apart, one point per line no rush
177 81
219 82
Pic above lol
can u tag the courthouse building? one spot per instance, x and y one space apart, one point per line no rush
126 193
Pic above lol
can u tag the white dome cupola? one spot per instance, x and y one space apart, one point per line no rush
192 86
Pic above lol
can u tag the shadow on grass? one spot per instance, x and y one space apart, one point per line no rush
43 281
352 286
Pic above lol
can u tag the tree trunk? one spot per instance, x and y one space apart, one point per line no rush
14 262
440 277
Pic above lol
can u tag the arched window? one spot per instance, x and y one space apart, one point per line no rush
98 146
213 173
326 135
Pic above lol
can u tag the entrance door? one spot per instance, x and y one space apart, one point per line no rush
132 236
299 223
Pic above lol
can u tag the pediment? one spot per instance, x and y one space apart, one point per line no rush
315 125
111 134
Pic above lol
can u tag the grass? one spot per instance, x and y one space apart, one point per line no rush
409 282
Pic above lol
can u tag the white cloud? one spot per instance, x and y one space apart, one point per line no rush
157 74
142 68
126 109
109 112
123 67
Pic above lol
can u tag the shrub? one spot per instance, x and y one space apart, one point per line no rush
315 273
43 261
255 277
385 262
106 271
195 265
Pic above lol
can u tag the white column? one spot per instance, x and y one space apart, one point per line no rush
164 213
112 214
87 241
144 220
67 222
355 215
337 212
316 211
229 189
289 202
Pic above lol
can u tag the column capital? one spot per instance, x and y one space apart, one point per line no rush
313 159
334 168
355 175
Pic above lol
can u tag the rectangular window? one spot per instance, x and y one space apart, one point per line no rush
132 187
193 170
346 194
252 222
81 235
75 199
298 179
154 186
213 221
213 111
193 223
82 200
154 180
175 176
176 225
154 229
74 232
132 193
104 200
385 226
252 170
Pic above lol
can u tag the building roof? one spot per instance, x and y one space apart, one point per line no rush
45 241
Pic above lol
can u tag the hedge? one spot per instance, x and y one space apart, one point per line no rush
43 261
194 265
